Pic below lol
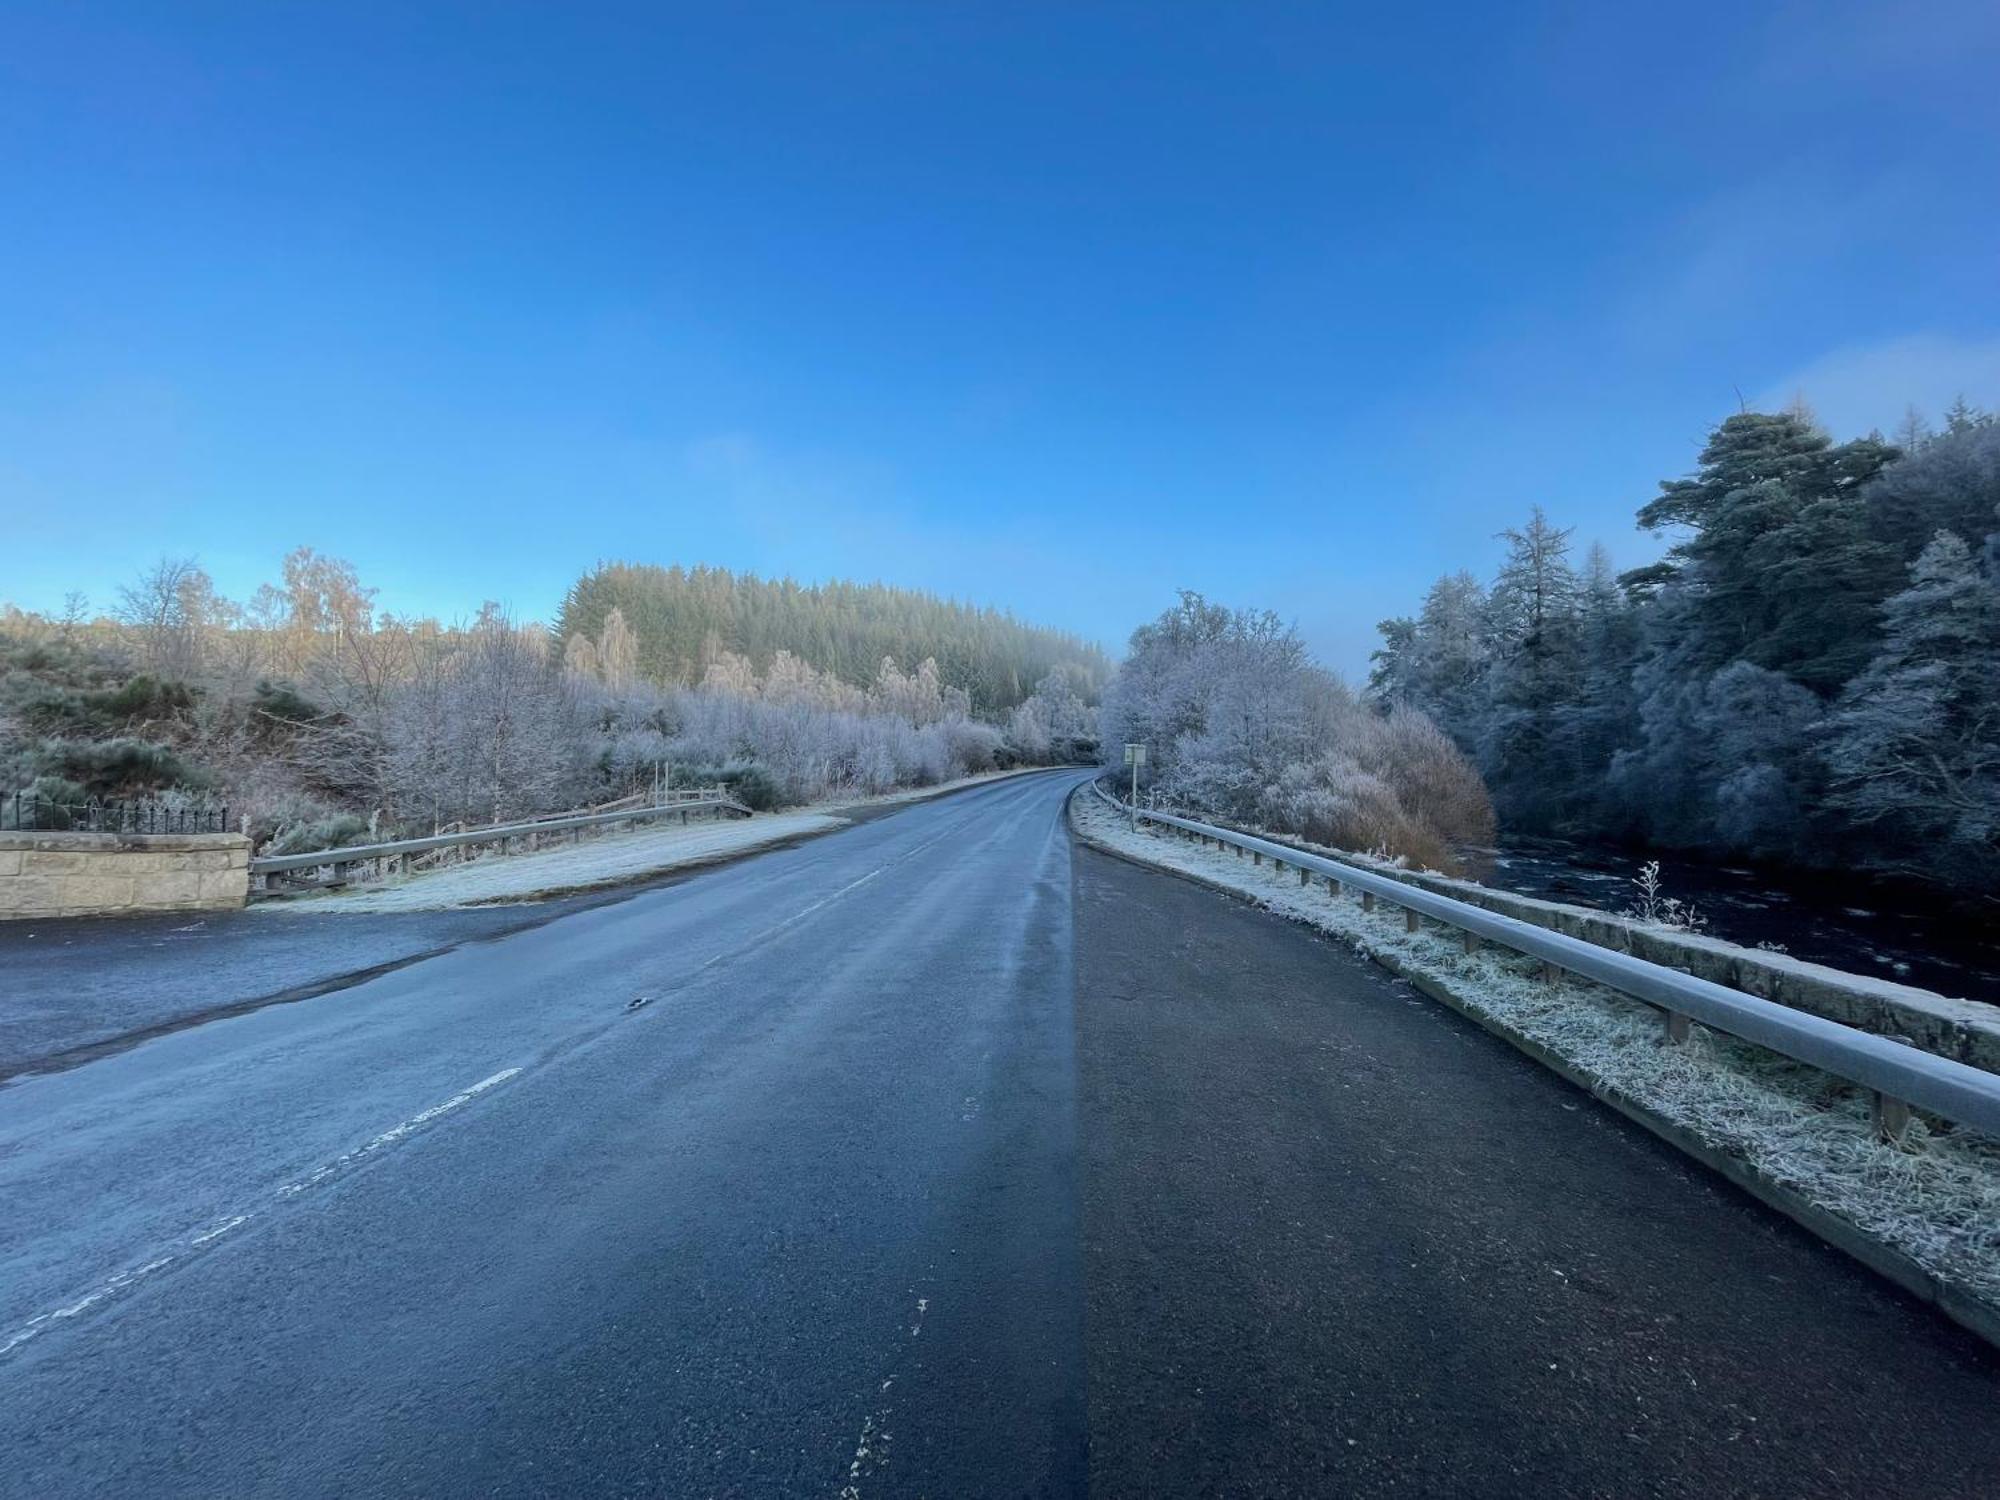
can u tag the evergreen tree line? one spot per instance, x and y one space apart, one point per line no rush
1811 673
682 620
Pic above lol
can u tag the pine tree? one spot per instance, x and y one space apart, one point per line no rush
682 620
1915 745
1527 742
1780 565
1608 710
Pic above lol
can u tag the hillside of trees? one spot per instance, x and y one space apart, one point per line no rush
683 619
1810 675
1242 726
317 718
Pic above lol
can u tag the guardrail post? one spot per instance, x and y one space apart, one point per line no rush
1305 876
1368 901
1892 1118
1470 940
1411 921
1256 857
1677 1027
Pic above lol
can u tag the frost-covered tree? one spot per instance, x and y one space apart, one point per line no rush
170 611
682 618
1951 483
1607 707
921 696
1241 725
580 657
1776 554
1054 724
1915 744
1687 707
1528 746
617 652
1753 743
1437 663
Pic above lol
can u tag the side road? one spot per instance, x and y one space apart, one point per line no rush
74 989
1340 1240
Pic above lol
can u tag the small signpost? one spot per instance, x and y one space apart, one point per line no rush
1135 757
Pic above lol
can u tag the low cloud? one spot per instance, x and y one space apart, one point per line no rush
1869 386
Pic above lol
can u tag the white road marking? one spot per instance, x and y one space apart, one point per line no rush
220 1230
752 944
118 1283
396 1133
41 1322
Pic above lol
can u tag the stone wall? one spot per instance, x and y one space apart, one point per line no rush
114 874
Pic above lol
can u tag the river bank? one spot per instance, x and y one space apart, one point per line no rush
1847 922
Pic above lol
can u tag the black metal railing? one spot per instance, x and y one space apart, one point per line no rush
25 812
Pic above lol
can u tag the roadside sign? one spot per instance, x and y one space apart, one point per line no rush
1135 755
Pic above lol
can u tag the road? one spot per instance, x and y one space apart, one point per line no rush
935 1157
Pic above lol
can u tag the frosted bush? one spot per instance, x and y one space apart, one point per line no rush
1242 726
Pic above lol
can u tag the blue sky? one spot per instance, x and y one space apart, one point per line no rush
1059 307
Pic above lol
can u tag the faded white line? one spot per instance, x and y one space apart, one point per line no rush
220 1230
396 1133
88 1300
752 944
42 1322
871 1452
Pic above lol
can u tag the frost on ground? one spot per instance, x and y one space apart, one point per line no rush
1936 1199
610 859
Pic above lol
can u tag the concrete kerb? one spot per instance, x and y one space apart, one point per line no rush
1976 1317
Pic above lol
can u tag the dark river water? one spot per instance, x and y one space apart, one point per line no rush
1889 932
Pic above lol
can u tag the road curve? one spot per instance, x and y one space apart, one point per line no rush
935 1157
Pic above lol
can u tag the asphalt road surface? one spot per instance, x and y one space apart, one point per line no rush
936 1157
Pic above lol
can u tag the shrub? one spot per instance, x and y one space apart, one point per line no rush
750 784
119 767
332 832
284 702
1243 727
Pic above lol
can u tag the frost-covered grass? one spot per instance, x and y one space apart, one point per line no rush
1936 1198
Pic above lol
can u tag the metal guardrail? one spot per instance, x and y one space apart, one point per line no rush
1900 1075
358 853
